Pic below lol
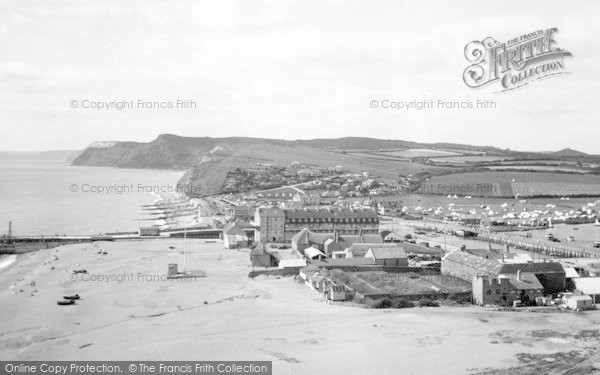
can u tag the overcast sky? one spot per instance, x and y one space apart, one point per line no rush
287 69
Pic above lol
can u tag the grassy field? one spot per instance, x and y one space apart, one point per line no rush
542 168
522 183
471 159
419 153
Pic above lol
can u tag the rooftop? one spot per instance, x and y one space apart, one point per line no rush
388 252
329 213
482 264
588 285
537 267
360 249
527 281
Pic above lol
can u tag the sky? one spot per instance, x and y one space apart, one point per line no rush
286 69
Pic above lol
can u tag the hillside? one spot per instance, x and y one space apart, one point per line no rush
208 160
171 151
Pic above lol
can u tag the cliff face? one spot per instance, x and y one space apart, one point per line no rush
165 152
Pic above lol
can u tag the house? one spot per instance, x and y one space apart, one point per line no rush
388 256
234 236
504 289
550 274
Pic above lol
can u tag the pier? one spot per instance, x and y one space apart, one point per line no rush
19 244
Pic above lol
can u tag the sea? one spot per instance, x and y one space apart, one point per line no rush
51 197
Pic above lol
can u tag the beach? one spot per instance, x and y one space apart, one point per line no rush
7 260
130 311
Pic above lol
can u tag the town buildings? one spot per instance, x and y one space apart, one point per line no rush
466 266
330 243
281 225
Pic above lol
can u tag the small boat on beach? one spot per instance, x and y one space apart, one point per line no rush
72 298
571 238
65 302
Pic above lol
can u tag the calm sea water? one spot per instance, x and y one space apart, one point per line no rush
39 197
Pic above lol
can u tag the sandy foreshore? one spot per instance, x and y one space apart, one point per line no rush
129 311
7 260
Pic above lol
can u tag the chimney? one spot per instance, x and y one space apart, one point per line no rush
336 236
518 275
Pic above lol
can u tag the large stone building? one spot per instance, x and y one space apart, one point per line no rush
272 224
279 225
